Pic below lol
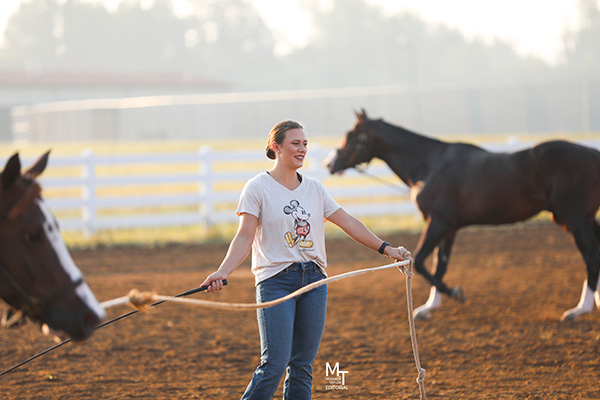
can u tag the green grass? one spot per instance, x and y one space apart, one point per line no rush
222 233
151 237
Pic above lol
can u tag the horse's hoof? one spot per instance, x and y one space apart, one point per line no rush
568 316
458 295
422 315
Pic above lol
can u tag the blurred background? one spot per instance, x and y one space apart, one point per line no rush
112 85
84 70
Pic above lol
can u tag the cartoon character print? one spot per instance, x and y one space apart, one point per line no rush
301 226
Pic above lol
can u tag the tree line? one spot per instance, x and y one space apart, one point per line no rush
355 43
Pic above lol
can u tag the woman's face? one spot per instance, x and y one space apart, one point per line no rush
293 148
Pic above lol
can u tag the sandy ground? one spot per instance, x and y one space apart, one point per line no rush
506 342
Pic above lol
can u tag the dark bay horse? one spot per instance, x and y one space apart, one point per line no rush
459 184
37 274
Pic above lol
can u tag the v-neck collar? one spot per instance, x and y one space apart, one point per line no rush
283 186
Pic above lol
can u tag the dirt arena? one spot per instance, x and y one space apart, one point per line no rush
506 342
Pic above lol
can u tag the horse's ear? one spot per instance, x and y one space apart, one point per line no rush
362 115
39 166
11 172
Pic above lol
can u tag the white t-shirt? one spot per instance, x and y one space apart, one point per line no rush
290 223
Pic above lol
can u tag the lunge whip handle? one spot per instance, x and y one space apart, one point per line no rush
198 289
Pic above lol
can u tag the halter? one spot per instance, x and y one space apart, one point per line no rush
359 148
32 305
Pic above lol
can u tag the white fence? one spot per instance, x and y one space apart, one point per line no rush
203 189
200 187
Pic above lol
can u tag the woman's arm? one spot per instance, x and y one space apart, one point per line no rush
359 232
238 251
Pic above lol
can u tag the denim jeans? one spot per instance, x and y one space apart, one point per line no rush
290 333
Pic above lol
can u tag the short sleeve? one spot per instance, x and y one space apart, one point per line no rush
329 204
249 202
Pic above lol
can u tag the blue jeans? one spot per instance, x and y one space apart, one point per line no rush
290 333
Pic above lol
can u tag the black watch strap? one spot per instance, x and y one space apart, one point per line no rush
383 246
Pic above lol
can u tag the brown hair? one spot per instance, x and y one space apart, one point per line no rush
277 135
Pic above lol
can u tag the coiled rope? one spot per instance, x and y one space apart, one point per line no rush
143 299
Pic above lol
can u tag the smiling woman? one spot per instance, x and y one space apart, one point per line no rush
282 216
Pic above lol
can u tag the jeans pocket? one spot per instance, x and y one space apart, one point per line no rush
320 272
315 275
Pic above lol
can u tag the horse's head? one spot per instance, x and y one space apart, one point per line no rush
356 147
37 273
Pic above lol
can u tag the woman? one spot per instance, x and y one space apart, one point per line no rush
282 215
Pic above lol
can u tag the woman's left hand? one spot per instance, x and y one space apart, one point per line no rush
397 253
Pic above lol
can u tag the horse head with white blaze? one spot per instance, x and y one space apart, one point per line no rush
37 274
460 184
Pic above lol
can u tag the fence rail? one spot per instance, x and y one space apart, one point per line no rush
100 192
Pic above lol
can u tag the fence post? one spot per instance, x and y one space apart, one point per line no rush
205 168
317 155
88 211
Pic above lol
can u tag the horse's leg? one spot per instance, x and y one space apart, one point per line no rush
586 234
597 291
12 317
440 261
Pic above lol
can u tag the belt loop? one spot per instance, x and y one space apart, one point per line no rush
305 265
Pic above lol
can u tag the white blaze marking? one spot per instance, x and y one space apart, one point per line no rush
83 291
330 157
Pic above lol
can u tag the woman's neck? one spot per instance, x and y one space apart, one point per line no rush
286 177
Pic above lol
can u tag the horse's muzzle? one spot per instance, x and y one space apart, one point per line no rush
332 163
78 325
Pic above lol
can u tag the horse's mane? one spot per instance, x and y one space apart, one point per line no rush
395 135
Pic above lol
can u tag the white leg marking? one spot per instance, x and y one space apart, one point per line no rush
585 305
597 295
83 291
434 301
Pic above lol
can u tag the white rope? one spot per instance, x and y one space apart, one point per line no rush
141 299
413 331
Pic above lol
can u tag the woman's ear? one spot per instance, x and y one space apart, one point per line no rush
275 147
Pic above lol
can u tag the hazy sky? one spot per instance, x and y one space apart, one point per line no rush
532 26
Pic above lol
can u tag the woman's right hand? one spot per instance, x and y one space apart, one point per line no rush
214 281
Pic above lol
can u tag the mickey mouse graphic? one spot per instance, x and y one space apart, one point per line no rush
301 225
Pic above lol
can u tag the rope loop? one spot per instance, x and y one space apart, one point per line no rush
421 377
406 272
